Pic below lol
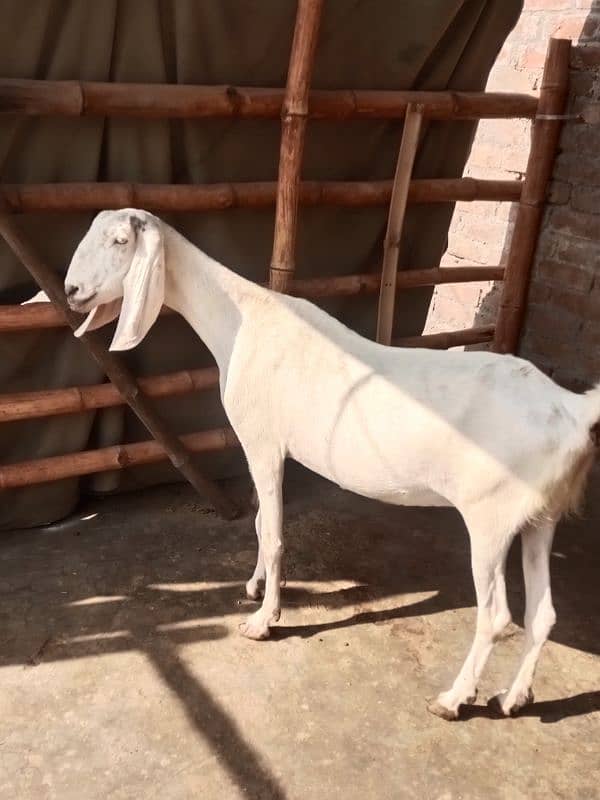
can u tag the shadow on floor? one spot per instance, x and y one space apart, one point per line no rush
155 571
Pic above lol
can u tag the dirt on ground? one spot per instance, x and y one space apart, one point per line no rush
123 675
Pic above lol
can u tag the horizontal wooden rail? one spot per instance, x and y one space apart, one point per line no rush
369 282
53 197
55 468
442 341
38 316
115 370
83 98
50 402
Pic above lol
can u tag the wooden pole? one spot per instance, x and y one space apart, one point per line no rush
115 370
391 249
544 141
51 402
442 341
294 115
176 101
38 316
59 197
104 459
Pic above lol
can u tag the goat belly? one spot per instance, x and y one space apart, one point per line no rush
415 496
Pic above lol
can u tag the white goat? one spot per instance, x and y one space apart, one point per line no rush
488 434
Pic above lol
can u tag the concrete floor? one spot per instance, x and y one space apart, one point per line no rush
122 674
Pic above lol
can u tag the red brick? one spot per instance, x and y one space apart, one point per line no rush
556 273
587 198
581 84
555 322
577 143
586 56
577 303
575 223
548 343
489 231
548 5
591 113
579 27
538 292
534 57
570 166
573 250
559 193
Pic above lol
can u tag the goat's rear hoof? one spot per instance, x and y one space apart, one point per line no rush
504 706
257 631
439 710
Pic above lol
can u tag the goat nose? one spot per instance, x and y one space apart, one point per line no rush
70 289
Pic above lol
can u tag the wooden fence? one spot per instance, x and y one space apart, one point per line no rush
296 105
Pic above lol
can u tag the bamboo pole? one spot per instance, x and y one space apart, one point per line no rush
115 370
82 196
156 100
38 316
51 402
391 249
544 142
55 468
369 282
29 405
294 114
442 341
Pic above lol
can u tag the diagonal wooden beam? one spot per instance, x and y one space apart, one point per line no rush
116 371
402 180
294 115
530 211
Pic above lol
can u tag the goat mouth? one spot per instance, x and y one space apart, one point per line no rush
82 306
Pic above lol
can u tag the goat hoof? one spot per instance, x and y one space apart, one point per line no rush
506 706
439 710
254 590
257 631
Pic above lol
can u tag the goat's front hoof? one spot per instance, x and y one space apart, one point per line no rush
508 705
449 714
254 629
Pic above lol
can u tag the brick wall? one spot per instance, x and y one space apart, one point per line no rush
562 328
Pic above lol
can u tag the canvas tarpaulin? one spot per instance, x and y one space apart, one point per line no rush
377 44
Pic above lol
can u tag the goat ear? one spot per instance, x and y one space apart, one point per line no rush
143 286
40 297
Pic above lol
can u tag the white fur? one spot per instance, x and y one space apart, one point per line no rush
488 434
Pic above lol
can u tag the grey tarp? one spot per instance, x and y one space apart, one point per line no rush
387 44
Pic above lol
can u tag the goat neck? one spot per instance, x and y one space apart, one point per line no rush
207 294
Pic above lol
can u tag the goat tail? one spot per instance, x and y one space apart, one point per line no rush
593 404
565 495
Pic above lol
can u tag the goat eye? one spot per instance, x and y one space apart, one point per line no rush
121 240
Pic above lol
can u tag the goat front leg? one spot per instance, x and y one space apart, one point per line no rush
488 560
268 482
536 543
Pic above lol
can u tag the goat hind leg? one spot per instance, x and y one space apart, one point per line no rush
488 560
536 542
